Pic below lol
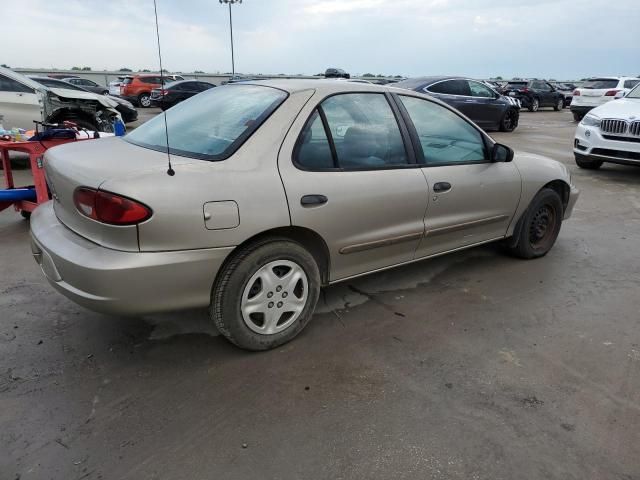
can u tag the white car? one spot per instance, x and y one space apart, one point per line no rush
598 91
23 101
610 133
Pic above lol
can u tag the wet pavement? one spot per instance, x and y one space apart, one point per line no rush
470 366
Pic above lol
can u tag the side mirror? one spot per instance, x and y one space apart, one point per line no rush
619 94
501 153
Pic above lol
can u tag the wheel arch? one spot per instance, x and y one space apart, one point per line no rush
309 239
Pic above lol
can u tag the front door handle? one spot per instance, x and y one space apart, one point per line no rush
441 187
313 200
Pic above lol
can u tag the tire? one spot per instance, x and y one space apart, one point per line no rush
589 164
509 120
559 104
144 100
105 92
26 215
535 105
249 306
578 116
539 226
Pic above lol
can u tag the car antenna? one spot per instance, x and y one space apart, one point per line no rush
170 171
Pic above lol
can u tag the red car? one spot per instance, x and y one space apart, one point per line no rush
137 88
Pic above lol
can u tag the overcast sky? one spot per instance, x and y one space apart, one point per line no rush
560 39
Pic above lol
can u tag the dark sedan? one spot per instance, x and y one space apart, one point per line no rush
175 92
486 107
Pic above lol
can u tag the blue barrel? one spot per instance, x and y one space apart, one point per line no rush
17 194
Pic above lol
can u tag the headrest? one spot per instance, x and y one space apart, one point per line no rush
360 142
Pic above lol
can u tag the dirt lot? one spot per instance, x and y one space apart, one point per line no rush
470 366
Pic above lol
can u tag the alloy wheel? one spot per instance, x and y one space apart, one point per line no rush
274 297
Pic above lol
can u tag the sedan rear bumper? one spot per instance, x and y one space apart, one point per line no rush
118 282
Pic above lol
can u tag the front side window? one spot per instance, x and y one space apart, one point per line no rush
445 137
362 130
480 90
211 126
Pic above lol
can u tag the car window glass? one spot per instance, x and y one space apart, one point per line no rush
479 90
364 131
211 126
10 85
630 83
598 83
202 86
451 87
445 137
314 151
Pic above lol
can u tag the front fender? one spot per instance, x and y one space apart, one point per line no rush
536 171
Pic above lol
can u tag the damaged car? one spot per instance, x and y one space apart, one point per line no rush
23 101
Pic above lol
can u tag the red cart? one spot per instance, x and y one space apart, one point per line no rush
26 199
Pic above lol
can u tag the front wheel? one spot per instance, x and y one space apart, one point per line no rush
509 120
540 225
266 294
535 105
587 163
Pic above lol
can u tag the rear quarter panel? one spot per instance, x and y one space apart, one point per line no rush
249 178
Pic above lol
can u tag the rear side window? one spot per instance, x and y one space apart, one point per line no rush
127 81
211 126
451 87
360 130
10 85
597 83
445 138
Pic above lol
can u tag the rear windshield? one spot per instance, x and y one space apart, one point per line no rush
212 125
595 83
127 80
517 84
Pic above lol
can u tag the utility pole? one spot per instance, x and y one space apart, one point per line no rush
233 63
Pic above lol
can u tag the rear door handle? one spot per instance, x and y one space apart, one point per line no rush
441 187
313 200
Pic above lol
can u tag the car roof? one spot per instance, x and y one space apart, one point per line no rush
416 82
327 86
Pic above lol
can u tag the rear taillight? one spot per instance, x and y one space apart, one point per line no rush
576 93
164 92
525 90
611 93
107 207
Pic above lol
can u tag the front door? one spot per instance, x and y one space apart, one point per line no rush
350 177
471 199
19 104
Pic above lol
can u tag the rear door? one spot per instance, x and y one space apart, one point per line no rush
471 199
20 104
454 92
350 176
487 112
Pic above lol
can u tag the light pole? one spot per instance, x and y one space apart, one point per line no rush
231 2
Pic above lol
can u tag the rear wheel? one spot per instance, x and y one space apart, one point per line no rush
26 215
540 225
588 163
535 105
509 120
266 294
144 100
578 116
559 104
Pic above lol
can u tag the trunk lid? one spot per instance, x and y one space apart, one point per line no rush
91 163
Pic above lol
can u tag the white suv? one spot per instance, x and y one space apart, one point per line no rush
598 91
610 133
